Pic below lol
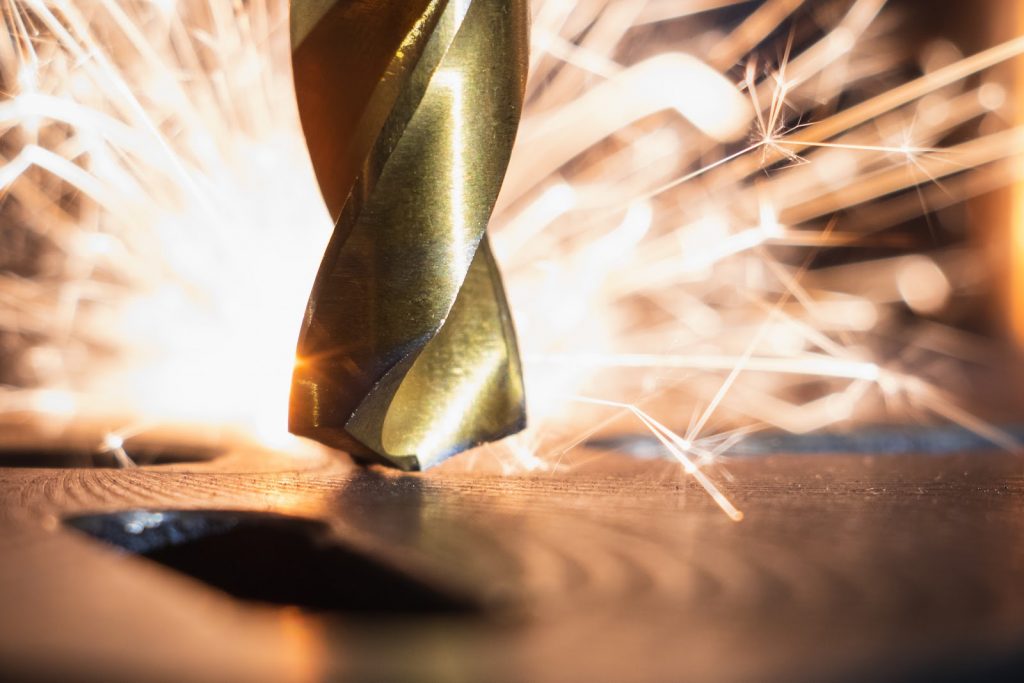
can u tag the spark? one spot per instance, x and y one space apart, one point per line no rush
678 447
657 226
113 443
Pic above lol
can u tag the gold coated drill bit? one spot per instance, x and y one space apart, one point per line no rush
407 353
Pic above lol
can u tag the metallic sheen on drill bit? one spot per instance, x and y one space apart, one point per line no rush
407 353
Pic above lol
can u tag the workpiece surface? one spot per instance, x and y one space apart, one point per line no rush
846 567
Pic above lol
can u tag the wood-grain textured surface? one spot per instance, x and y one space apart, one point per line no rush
845 568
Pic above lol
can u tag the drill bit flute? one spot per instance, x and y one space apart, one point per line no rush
407 353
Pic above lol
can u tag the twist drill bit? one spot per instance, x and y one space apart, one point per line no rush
407 353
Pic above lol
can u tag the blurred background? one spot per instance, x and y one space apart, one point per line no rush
738 218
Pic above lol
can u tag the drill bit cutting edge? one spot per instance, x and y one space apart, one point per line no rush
407 353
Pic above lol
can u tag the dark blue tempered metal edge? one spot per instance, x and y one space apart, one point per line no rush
867 440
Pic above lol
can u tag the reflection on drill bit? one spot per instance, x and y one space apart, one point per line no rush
407 352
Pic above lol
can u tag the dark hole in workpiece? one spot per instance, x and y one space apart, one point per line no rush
271 559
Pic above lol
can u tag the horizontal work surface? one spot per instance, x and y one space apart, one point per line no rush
896 568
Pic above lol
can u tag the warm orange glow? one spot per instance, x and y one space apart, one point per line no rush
656 227
1015 295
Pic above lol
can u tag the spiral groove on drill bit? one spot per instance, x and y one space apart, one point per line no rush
407 352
